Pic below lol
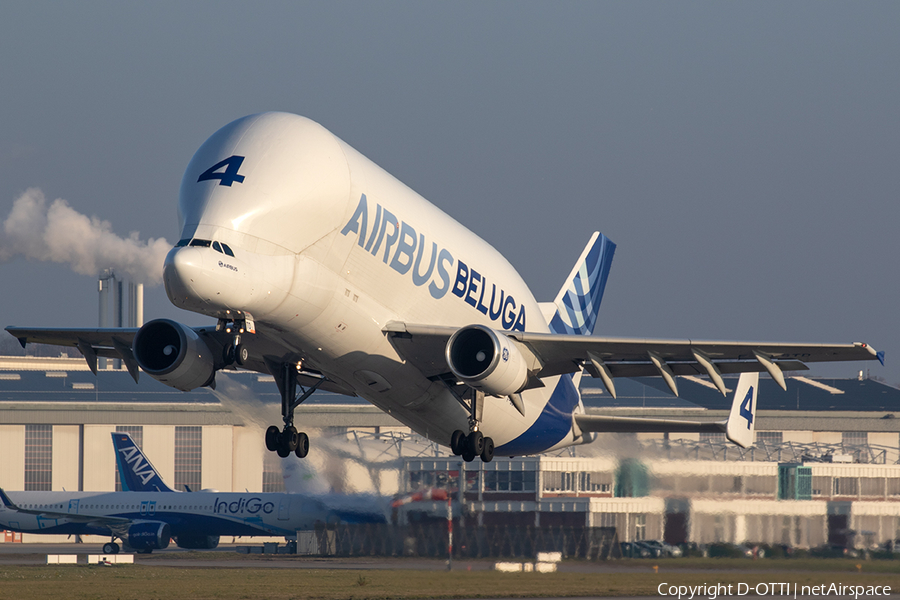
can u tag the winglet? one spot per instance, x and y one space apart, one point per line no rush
742 420
136 471
880 357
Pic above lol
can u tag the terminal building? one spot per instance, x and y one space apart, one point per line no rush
824 468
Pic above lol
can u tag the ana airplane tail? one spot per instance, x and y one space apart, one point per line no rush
742 421
579 299
135 469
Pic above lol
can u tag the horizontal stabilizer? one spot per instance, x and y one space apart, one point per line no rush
609 424
738 427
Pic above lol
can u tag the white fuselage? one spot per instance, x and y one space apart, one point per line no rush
328 248
188 514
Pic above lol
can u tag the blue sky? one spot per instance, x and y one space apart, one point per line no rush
743 156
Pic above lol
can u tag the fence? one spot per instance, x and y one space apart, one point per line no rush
430 540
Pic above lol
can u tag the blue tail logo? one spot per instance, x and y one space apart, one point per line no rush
579 299
135 470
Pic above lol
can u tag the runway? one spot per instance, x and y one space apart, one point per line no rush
226 555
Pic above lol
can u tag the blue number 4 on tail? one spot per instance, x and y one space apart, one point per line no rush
746 411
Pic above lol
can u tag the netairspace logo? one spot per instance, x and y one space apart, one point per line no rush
687 592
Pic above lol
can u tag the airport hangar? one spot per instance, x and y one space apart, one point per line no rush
824 468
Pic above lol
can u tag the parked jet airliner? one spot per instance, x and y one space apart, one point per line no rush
328 273
148 513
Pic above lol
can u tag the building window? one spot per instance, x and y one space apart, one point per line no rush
719 528
769 438
38 458
273 476
855 438
509 481
188 454
137 434
640 527
846 486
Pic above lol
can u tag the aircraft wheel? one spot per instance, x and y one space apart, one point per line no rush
456 442
110 548
487 455
228 355
241 354
468 456
290 438
302 445
272 438
282 451
475 443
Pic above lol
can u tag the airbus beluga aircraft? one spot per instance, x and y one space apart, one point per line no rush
325 271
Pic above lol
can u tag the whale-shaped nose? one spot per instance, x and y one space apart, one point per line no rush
182 272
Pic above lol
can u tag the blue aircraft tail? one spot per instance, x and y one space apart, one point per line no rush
135 469
579 299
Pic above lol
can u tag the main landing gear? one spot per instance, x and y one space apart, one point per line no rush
110 548
472 445
289 439
475 443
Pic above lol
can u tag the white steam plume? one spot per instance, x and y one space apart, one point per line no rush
60 234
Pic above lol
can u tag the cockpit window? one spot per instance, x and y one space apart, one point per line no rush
201 243
182 243
217 247
227 250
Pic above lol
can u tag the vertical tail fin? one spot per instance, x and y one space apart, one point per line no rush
742 420
579 299
135 469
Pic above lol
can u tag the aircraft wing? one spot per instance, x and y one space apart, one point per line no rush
104 342
608 358
114 523
116 342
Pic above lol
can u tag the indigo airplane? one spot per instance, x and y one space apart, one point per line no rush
147 513
326 272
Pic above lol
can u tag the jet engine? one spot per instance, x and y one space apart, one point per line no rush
487 360
173 354
197 542
149 535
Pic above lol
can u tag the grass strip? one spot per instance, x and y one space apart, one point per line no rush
144 582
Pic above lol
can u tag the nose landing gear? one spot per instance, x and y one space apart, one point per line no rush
237 325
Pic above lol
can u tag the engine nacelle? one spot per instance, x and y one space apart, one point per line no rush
149 535
197 542
487 360
173 354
